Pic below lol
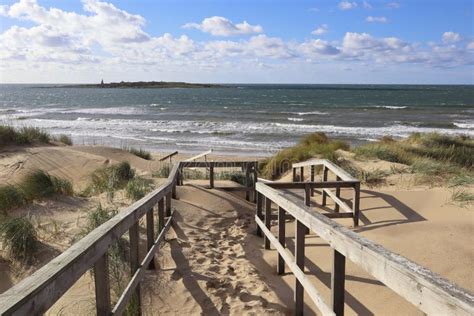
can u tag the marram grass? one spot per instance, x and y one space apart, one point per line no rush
19 238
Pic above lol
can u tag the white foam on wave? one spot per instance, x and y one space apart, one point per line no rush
307 113
464 124
391 107
295 119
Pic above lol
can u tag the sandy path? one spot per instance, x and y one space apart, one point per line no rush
211 261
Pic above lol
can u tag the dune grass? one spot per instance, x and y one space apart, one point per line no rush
65 139
435 158
19 238
109 179
142 153
163 172
462 197
10 135
36 184
137 188
316 144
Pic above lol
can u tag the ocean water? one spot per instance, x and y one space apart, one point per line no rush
254 119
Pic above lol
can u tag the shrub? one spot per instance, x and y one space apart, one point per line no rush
10 135
109 179
65 139
139 152
163 172
10 197
19 237
463 197
38 184
316 144
137 188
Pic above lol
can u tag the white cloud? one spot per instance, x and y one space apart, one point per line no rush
470 45
376 19
220 26
451 37
320 30
318 47
347 5
394 5
366 5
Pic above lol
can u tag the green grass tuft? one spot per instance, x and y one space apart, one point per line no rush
39 184
65 139
316 144
138 188
109 179
462 197
19 237
10 135
163 172
139 152
11 196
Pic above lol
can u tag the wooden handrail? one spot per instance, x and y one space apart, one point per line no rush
426 290
36 293
328 164
169 156
199 156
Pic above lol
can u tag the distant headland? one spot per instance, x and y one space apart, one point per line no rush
143 84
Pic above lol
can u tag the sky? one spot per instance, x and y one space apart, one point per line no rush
353 42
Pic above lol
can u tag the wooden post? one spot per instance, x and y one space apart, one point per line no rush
337 283
259 211
307 200
247 181
180 176
355 204
161 215
135 258
299 256
211 175
254 181
312 179
338 194
168 204
173 190
268 218
281 239
325 178
294 174
150 235
302 174
102 286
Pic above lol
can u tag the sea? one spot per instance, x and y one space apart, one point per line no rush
255 119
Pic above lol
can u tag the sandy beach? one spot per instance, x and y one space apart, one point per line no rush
212 261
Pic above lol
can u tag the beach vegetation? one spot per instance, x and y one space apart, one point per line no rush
11 197
462 197
163 172
137 188
39 184
313 145
10 135
108 179
142 153
19 238
65 139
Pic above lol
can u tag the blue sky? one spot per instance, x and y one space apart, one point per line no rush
238 41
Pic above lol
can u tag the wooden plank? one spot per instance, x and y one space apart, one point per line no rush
355 204
135 258
268 218
302 174
314 185
299 259
338 277
328 164
168 204
211 176
38 292
247 182
161 215
258 212
290 262
428 291
339 215
207 152
338 195
150 235
338 201
169 156
325 179
294 175
281 239
138 275
237 188
311 179
102 286
217 164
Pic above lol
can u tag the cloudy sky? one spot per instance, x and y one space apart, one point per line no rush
406 41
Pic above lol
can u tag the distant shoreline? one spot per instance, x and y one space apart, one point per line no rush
142 84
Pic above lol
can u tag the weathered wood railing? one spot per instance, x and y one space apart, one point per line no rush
418 285
38 292
341 176
248 167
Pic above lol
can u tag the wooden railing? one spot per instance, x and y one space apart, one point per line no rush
248 167
341 177
38 292
418 285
